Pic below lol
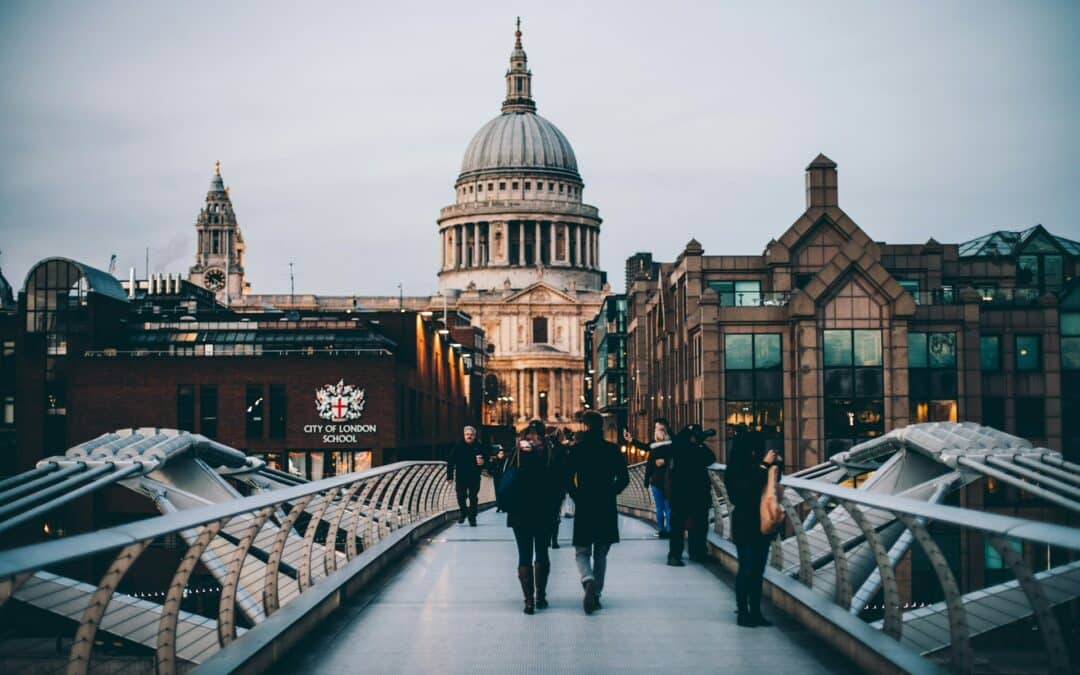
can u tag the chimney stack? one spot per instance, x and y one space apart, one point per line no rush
821 183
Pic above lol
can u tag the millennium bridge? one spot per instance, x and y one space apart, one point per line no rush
249 569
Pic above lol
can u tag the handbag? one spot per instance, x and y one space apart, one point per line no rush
508 491
772 516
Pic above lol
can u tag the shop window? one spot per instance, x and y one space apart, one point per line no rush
1030 417
298 464
185 407
1028 356
990 353
255 407
208 410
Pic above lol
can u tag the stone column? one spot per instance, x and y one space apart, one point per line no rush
538 257
596 248
459 251
588 248
535 392
475 257
521 244
577 244
551 242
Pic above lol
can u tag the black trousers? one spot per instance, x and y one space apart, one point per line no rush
695 522
466 500
753 556
531 540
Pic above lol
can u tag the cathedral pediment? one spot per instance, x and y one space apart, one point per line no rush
539 293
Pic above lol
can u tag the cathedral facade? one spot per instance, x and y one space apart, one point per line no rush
519 258
520 255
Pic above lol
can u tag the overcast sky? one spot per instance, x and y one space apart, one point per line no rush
340 128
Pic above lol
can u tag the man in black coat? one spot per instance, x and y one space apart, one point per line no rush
466 460
598 474
691 493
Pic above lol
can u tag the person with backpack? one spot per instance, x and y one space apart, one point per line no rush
746 478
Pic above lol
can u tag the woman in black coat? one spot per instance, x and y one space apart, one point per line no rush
745 479
539 485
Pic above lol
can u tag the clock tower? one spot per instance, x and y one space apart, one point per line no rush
219 258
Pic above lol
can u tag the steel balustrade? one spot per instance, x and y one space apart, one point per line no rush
832 526
268 552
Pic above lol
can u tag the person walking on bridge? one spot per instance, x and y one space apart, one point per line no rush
536 483
466 461
598 474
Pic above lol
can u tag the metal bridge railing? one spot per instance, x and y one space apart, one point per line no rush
129 592
899 565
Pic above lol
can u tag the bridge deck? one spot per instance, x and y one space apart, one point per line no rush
455 607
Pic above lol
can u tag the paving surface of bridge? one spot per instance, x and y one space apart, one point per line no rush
455 607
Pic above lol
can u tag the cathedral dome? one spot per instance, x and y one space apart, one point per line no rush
519 141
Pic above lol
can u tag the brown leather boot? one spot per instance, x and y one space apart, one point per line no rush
525 576
543 570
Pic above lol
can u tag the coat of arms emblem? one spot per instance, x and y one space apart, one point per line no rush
339 402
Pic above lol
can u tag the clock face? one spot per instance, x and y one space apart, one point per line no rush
214 280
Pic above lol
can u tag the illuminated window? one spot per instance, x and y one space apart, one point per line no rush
854 387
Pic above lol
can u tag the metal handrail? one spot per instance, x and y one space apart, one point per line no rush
57 551
832 532
265 550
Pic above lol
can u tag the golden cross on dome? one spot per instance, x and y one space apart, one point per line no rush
217 168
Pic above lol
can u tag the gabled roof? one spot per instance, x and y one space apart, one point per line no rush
1007 242
535 287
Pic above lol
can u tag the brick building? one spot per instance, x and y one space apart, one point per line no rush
314 393
605 373
828 337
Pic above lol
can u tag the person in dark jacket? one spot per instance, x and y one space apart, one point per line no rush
745 478
597 475
560 450
656 472
691 493
496 467
538 486
466 461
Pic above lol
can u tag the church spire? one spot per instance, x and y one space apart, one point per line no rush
518 79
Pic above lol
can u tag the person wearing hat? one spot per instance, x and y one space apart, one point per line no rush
690 493
597 475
